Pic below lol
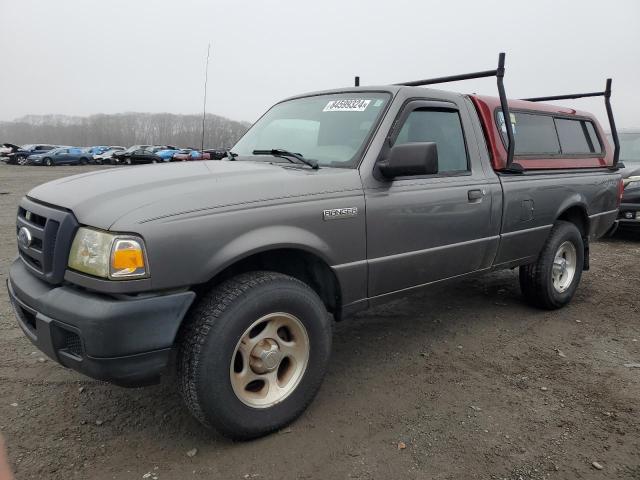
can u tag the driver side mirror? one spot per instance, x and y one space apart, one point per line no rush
410 159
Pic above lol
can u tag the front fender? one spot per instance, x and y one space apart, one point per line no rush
264 239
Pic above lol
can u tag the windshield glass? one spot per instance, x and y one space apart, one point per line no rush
330 129
629 147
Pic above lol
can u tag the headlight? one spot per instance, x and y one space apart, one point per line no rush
107 255
633 181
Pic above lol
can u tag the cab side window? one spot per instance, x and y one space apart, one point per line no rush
442 127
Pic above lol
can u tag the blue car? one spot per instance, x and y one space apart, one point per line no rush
167 153
61 156
98 149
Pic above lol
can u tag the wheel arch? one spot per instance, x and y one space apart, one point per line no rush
299 261
577 214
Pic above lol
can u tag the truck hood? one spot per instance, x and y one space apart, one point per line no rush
123 197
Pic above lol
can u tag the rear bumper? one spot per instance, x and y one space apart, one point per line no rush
122 341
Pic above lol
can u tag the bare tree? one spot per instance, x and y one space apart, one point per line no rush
123 129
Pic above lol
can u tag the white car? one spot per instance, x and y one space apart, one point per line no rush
106 156
6 149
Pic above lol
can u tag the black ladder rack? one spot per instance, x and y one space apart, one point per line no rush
607 102
504 106
499 74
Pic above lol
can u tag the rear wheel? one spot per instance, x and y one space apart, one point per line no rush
253 354
552 280
21 160
98 161
84 161
127 161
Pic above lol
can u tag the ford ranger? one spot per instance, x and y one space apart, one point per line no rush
331 203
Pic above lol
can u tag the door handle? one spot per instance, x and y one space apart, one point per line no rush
475 196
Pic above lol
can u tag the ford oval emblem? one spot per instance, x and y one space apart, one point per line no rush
24 237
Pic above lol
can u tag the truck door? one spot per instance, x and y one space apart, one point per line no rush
422 229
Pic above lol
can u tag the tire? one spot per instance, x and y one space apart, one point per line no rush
211 358
154 161
544 285
98 161
48 162
22 161
127 161
83 161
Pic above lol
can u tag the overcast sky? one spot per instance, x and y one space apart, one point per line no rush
80 57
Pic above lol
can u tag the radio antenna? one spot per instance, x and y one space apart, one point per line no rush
204 100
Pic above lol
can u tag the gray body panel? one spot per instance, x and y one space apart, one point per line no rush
197 218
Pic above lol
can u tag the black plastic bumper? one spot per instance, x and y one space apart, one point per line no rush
629 215
123 341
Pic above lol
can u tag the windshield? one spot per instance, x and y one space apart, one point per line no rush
330 129
629 147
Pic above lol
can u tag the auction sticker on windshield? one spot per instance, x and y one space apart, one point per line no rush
347 105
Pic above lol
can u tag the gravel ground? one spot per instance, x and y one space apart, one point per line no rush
461 381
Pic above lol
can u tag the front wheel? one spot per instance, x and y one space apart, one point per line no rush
127 161
48 162
551 281
21 161
253 353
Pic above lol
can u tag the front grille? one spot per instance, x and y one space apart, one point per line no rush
51 232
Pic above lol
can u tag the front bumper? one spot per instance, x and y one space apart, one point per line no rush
629 214
122 341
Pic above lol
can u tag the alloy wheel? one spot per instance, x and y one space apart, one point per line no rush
269 360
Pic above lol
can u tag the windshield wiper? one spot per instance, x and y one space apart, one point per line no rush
279 152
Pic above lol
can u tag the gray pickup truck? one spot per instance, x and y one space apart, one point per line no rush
332 202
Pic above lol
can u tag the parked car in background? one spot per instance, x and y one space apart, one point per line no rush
107 156
96 150
166 154
61 156
185 156
120 156
144 155
629 215
217 153
6 149
19 157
